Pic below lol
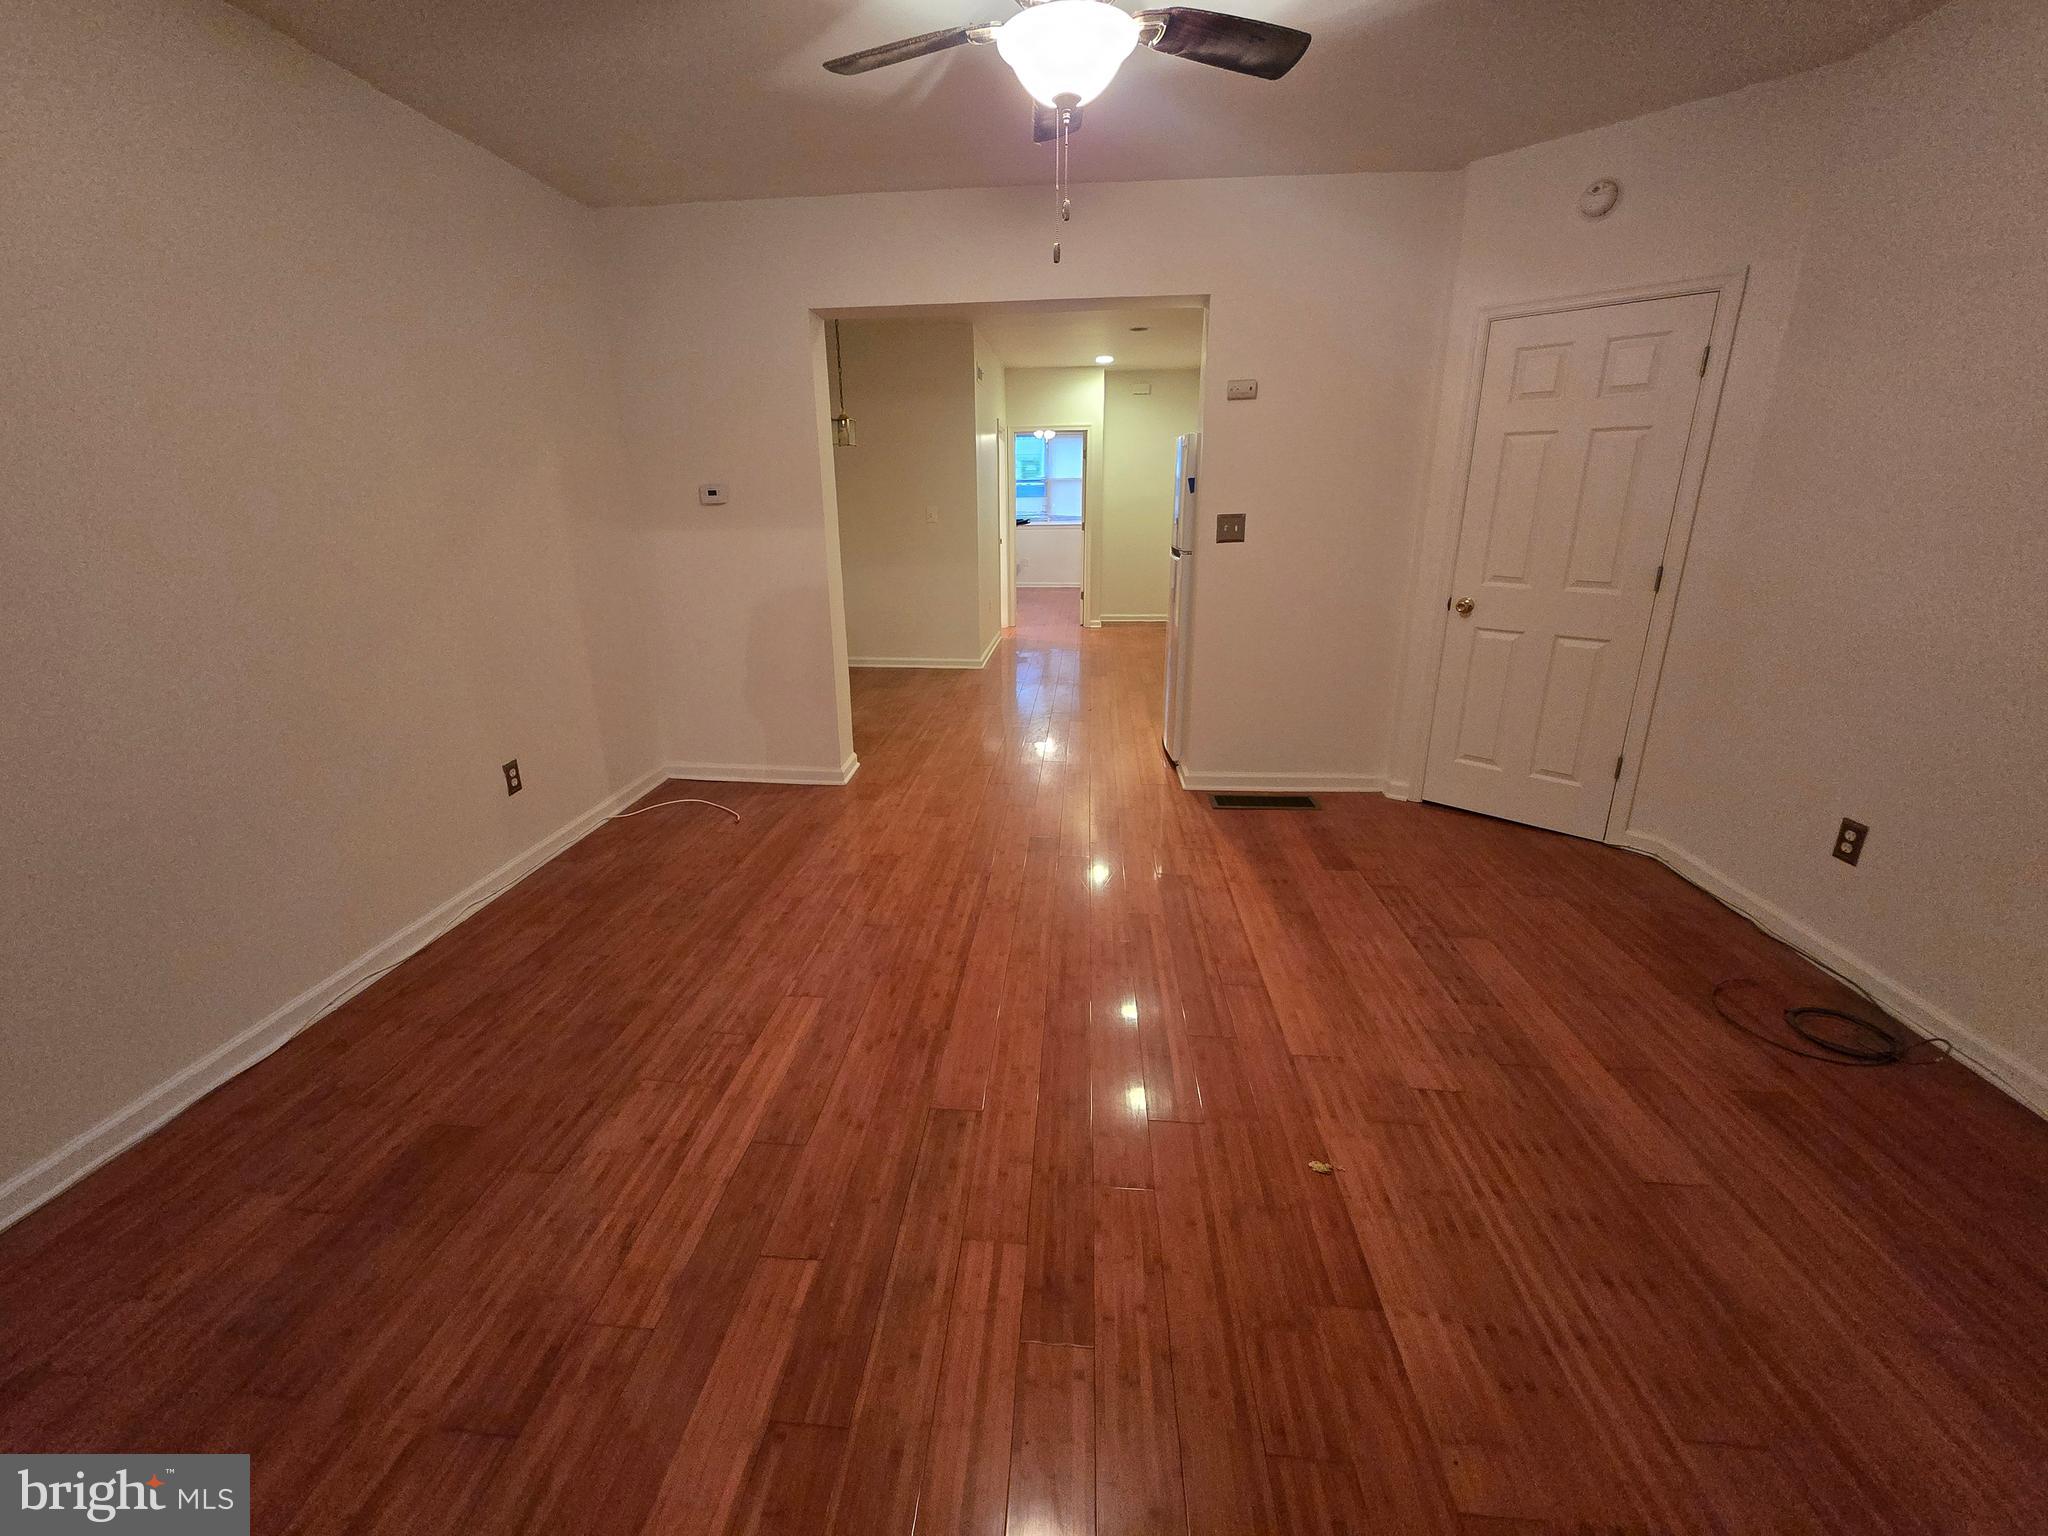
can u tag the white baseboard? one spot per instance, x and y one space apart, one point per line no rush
764 773
1995 1064
956 663
52 1175
1398 789
1049 586
1227 782
1132 618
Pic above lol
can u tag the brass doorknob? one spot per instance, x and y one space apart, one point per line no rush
1463 605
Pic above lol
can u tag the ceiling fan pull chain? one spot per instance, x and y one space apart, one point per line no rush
1066 161
1061 149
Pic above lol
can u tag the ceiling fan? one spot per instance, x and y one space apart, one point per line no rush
1065 52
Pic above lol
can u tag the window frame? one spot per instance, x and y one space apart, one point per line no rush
1047 520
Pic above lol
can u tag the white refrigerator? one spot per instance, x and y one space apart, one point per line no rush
1181 594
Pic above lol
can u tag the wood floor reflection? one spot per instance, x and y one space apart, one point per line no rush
934 1155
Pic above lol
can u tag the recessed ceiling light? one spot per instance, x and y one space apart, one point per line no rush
1104 359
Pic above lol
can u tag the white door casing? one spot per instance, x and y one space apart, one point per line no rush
1578 452
1006 524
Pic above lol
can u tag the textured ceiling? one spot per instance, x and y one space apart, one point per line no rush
652 101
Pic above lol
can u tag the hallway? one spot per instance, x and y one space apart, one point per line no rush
937 1153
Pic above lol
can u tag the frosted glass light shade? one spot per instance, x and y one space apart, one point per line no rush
1067 48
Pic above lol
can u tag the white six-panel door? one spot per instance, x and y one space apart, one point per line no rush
1584 418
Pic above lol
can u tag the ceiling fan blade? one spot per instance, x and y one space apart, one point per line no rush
903 50
1045 123
1235 43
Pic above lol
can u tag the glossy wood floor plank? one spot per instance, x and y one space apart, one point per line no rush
967 1472
932 1156
1137 1432
1052 1456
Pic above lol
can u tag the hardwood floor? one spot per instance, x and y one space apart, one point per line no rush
934 1154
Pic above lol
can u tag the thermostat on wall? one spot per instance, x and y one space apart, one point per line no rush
712 495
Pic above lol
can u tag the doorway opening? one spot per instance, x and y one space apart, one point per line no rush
1049 505
1002 476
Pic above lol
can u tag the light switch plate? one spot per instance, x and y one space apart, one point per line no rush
1241 389
1230 528
712 495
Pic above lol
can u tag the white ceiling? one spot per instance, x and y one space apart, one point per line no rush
1071 335
652 101
1171 338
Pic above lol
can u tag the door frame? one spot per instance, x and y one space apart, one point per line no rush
1438 557
1087 434
1006 533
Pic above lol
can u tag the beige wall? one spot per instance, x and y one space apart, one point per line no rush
311 468
910 524
1139 435
1859 627
991 464
1328 289
1130 482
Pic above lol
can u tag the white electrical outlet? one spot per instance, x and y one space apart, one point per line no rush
1241 389
712 495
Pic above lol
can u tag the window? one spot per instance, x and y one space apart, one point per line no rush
1051 469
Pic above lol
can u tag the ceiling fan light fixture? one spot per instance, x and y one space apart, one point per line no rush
1066 51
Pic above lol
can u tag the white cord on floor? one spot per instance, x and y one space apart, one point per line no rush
735 815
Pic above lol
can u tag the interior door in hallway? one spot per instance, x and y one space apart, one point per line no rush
1584 418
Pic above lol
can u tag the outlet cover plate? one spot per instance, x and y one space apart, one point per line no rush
1230 528
1241 389
1849 841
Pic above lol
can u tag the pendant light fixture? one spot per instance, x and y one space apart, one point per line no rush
1065 54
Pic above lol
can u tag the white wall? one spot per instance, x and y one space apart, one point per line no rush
1707 188
1859 626
311 463
1327 289
1139 435
910 524
1048 555
1871 634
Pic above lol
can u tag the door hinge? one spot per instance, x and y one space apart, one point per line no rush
1617 769
1658 584
1703 359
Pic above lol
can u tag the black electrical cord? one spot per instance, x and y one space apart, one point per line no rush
1875 1045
